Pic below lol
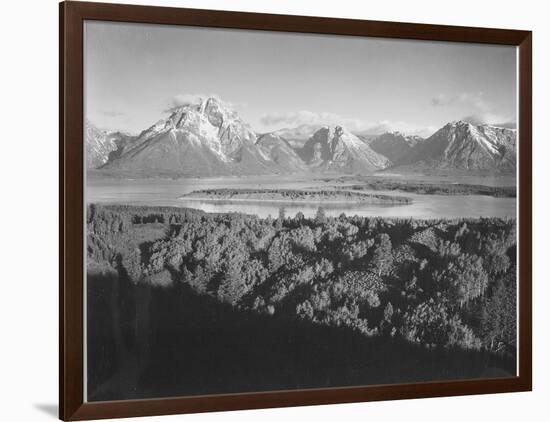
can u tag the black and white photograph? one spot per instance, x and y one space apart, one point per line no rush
270 211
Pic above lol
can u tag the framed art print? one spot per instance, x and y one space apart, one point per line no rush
265 210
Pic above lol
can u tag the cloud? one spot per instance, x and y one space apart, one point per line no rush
508 125
306 117
181 100
186 99
473 99
490 119
403 127
481 110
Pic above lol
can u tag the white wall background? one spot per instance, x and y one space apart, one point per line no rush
28 220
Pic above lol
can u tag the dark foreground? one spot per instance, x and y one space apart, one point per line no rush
186 303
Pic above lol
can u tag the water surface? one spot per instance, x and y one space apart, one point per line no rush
168 192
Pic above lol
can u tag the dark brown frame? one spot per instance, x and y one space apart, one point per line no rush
71 210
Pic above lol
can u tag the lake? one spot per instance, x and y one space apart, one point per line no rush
166 192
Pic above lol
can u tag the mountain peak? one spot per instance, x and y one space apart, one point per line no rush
479 126
394 145
200 136
460 124
334 148
204 106
334 131
461 145
198 101
213 121
396 133
100 144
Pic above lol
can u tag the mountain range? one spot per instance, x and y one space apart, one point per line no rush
394 145
463 146
100 144
208 138
333 148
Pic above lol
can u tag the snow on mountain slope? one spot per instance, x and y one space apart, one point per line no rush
333 148
394 145
205 138
278 150
100 144
462 146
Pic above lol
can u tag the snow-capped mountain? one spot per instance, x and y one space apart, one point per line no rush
197 139
333 148
460 145
394 145
279 150
100 144
207 138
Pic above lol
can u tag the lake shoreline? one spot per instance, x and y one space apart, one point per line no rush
295 196
290 202
172 193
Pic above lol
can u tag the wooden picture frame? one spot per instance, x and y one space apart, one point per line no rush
71 209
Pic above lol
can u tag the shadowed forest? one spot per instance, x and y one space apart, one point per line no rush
182 302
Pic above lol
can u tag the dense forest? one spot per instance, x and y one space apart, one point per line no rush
416 292
297 195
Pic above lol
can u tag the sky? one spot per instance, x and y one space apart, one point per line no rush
134 73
